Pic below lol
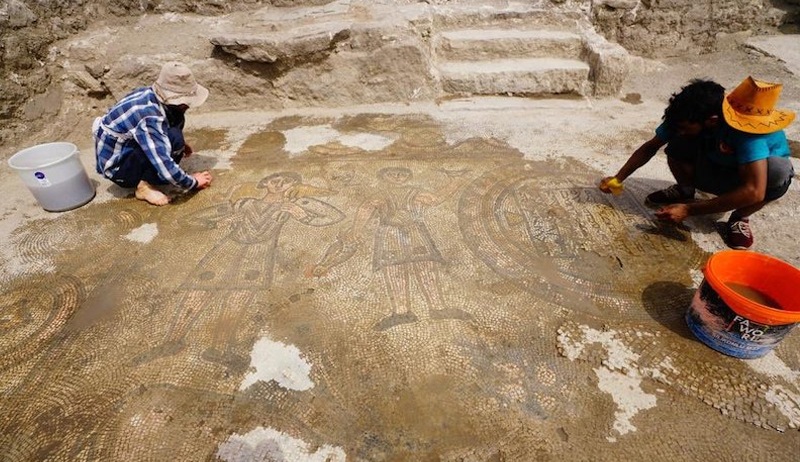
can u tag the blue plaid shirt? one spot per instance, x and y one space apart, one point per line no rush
138 121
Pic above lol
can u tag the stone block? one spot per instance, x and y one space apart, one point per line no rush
283 46
515 76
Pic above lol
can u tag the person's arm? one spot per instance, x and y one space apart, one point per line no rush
156 145
639 158
753 187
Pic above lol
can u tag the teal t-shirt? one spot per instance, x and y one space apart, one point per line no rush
735 147
748 147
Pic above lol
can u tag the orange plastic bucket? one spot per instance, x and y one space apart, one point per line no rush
746 304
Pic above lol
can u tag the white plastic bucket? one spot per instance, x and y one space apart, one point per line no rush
55 176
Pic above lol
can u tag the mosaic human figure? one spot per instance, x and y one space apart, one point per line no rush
403 250
230 277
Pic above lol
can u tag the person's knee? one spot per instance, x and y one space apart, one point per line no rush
681 150
779 177
682 170
681 163
779 170
176 140
178 155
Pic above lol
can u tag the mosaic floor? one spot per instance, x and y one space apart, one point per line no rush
379 293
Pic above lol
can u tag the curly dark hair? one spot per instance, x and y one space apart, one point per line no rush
696 102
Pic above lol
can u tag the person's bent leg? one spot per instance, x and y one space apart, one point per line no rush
681 157
681 192
177 143
136 171
146 189
719 179
779 178
131 170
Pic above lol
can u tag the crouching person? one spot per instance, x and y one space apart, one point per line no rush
139 142
733 147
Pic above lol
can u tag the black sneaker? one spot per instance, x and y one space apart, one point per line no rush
672 195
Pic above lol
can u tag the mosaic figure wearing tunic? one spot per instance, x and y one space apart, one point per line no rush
227 279
404 251
402 236
246 257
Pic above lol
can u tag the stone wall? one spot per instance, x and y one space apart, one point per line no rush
29 27
664 28
650 28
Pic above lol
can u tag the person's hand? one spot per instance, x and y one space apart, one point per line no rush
674 213
187 151
203 179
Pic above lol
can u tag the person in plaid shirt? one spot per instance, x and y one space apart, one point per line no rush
139 142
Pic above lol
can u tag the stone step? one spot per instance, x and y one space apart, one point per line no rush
480 44
512 15
535 76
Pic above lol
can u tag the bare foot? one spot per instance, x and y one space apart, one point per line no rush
146 192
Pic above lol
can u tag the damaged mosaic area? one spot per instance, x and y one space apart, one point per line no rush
364 288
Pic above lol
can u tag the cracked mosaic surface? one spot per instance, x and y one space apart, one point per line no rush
363 288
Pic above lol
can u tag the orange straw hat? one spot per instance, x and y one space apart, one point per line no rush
176 85
750 107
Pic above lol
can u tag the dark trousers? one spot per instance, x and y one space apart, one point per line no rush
719 179
137 167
